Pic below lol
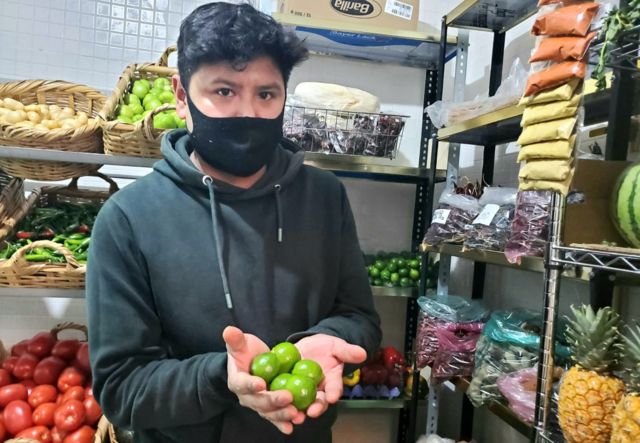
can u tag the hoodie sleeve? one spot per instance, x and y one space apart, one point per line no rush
353 317
135 381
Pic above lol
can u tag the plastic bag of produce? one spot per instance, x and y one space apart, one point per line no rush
490 229
559 49
519 388
529 229
509 343
456 351
438 312
555 75
450 219
570 20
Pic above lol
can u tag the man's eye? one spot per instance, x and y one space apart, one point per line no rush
266 95
225 92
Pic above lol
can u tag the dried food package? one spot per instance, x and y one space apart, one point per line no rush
509 343
557 149
559 93
550 111
451 218
556 2
559 49
529 229
544 169
548 131
426 339
570 20
547 185
456 351
556 74
490 230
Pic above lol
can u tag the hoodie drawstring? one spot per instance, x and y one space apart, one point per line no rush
278 188
208 182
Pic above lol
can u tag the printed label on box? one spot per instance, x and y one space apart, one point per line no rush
487 215
399 9
441 216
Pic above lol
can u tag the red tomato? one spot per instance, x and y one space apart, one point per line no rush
66 349
40 433
73 393
57 436
12 392
19 348
93 411
25 366
5 377
3 432
83 435
70 377
88 392
69 416
42 394
30 385
17 416
48 371
43 414
82 358
41 344
9 364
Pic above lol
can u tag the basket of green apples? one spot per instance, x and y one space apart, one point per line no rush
140 109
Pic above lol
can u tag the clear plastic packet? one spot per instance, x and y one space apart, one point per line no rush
490 230
440 311
509 343
519 388
446 114
529 229
456 351
450 219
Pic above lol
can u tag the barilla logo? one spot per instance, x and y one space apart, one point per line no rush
358 8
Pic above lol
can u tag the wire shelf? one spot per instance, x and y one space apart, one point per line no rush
625 54
600 259
344 132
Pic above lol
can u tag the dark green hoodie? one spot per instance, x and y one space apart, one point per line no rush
177 257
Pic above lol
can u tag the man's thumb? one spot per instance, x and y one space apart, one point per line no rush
234 338
348 353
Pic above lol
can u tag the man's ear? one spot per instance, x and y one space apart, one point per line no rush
181 96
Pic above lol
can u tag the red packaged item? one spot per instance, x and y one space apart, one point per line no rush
570 20
456 351
558 49
556 75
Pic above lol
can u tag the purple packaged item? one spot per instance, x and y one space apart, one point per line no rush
530 226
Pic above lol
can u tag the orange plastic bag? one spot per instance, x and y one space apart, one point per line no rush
555 2
570 20
559 49
556 75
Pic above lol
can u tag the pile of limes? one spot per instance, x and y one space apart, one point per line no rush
399 270
283 368
144 97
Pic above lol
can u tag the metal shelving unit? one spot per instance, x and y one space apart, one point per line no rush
497 16
373 404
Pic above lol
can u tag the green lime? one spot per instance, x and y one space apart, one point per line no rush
303 390
401 263
374 272
414 274
265 366
405 282
377 282
145 82
404 272
385 275
136 108
380 264
166 96
153 104
280 382
131 99
394 278
308 368
126 111
394 260
139 89
288 355
124 119
392 267
415 264
163 121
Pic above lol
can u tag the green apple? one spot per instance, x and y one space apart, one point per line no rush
139 89
124 119
137 117
161 82
131 99
163 121
152 104
168 88
126 111
166 96
136 108
146 82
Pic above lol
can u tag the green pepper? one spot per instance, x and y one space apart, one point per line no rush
37 257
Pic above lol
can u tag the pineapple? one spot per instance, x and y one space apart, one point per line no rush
626 420
589 392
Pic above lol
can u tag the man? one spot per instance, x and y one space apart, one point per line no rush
231 232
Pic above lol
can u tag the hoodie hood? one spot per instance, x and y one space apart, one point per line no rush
177 166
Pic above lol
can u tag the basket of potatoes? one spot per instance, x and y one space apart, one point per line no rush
53 115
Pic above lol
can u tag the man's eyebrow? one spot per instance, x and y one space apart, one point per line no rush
274 85
224 81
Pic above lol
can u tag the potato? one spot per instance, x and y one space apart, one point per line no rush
44 110
69 123
31 108
66 113
82 117
25 123
12 104
54 109
14 117
40 127
50 124
34 116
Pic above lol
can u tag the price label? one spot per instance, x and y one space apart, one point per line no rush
487 215
399 9
441 216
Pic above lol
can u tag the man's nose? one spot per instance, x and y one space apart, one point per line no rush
247 108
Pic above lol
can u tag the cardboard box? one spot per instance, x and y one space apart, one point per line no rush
390 14
588 220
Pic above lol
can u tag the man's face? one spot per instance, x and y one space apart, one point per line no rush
218 90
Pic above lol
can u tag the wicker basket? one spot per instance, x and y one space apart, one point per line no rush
18 272
12 198
87 138
140 139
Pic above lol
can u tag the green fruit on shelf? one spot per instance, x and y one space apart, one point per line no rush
414 274
380 264
394 260
140 89
152 104
377 282
415 264
394 278
392 267
385 275
374 272
401 262
405 282
164 121
404 272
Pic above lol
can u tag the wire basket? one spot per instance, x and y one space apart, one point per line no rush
344 132
623 54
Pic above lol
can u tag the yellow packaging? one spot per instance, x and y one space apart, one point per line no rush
547 131
555 170
547 185
557 149
550 111
560 93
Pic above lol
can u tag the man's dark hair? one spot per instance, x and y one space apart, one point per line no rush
236 34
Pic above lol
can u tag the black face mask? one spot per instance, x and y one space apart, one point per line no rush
236 145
